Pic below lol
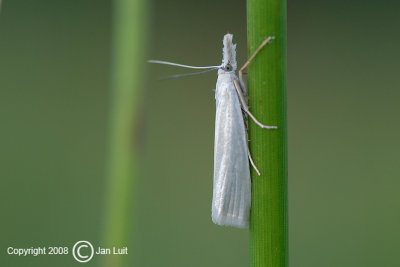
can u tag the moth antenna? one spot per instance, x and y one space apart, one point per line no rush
181 65
176 76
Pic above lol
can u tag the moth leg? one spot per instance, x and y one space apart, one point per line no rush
245 107
242 92
253 164
266 41
248 150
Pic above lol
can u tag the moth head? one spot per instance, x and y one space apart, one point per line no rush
229 54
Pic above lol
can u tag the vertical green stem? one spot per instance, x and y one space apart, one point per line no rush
267 99
128 40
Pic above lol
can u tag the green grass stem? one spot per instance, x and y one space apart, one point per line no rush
128 45
267 100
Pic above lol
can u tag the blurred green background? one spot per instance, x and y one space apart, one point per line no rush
343 92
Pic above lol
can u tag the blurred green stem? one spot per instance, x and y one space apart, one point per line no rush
267 98
126 81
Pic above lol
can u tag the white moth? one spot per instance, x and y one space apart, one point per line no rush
232 185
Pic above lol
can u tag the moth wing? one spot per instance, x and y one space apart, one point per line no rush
232 185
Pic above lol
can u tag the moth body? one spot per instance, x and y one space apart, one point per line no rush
232 186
